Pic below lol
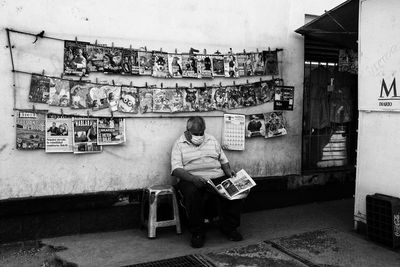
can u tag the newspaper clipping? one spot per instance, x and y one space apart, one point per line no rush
58 134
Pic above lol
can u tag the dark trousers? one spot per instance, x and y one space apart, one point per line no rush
195 199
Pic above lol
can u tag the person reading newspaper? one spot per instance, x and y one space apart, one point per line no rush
196 159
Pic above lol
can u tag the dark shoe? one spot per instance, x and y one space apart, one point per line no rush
233 235
197 240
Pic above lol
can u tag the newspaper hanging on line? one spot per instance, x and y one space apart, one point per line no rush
237 187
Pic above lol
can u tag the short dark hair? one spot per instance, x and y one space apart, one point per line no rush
196 122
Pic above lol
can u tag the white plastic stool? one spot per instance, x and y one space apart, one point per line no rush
153 193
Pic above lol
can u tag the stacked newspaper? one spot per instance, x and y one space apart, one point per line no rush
236 187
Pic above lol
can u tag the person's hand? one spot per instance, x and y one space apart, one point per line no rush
199 182
232 173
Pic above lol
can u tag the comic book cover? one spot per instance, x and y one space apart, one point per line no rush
255 125
231 66
189 66
175 65
95 57
39 89
112 60
97 98
204 65
218 65
129 101
59 93
275 124
259 64
79 94
85 135
271 62
206 99
162 100
135 62
145 100
160 65
235 97
130 62
241 64
145 63
111 131
283 97
264 91
75 58
190 99
249 95
220 98
59 134
30 129
177 100
249 64
113 94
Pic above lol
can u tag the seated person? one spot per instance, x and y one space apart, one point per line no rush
195 158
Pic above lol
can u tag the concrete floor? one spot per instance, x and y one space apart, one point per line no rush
132 246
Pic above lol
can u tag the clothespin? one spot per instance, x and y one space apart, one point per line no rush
257 50
130 84
176 51
113 82
205 52
160 49
146 84
33 108
190 85
43 72
220 83
269 49
145 48
230 50
76 40
95 42
112 44
88 113
244 51
176 85
130 47
112 114
62 75
260 79
80 78
97 80
247 81
234 83
62 111
205 85
161 85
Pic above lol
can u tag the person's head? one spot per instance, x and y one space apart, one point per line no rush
195 127
54 124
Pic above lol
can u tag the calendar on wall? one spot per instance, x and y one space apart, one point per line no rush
234 132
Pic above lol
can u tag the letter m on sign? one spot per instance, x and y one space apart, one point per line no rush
385 89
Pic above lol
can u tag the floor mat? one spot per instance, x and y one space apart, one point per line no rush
261 254
330 247
184 261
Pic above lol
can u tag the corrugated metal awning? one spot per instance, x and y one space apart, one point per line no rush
337 26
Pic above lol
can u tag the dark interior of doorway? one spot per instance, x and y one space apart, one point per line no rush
330 116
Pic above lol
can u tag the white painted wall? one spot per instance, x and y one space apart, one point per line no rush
378 142
144 159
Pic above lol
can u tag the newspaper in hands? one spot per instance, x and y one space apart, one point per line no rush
236 187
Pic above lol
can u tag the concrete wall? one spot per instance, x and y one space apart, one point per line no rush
144 159
378 142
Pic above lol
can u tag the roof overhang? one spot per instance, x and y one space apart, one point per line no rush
337 26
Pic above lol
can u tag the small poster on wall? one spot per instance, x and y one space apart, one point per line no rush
283 97
255 125
79 94
112 60
111 131
59 134
204 66
234 131
218 65
145 63
271 62
30 130
59 93
95 58
175 65
146 100
85 136
275 124
129 101
231 66
160 65
189 66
